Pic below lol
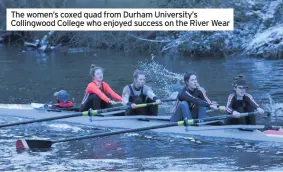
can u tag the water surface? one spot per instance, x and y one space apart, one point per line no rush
32 77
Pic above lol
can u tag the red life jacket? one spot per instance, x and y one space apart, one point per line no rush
65 105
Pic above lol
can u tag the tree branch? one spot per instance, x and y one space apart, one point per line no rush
149 40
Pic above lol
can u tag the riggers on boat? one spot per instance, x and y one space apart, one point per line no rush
243 132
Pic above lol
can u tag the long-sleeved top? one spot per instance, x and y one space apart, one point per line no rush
193 97
234 103
93 88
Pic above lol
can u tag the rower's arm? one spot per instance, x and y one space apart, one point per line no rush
149 93
114 95
251 101
92 88
204 96
125 95
186 96
229 108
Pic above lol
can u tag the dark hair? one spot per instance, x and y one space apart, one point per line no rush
240 77
188 75
93 68
137 73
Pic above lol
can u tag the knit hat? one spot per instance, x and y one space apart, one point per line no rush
241 82
62 95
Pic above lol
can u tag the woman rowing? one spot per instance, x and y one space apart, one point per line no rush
138 93
98 92
240 102
192 100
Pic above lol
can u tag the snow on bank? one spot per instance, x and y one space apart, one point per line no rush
268 44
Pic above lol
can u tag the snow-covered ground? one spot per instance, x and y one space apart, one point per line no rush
267 44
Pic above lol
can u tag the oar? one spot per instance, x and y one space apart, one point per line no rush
85 113
222 117
33 144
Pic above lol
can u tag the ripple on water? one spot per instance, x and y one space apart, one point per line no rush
61 127
158 163
134 151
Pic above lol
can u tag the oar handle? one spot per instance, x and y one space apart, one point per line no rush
111 109
146 104
221 117
221 108
153 103
248 114
128 107
168 100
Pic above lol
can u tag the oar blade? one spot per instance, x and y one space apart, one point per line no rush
33 144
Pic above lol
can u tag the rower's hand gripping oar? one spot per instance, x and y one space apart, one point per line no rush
186 121
33 144
213 119
153 103
89 113
221 108
222 117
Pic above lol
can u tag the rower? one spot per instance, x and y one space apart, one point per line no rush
98 92
138 93
192 100
63 100
240 102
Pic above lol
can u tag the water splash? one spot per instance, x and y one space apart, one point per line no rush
267 102
61 127
269 105
163 80
165 83
151 67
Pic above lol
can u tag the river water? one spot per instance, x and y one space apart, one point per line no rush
31 77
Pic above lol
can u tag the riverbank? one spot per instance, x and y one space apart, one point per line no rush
257 30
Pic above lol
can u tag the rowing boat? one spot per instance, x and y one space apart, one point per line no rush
243 132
